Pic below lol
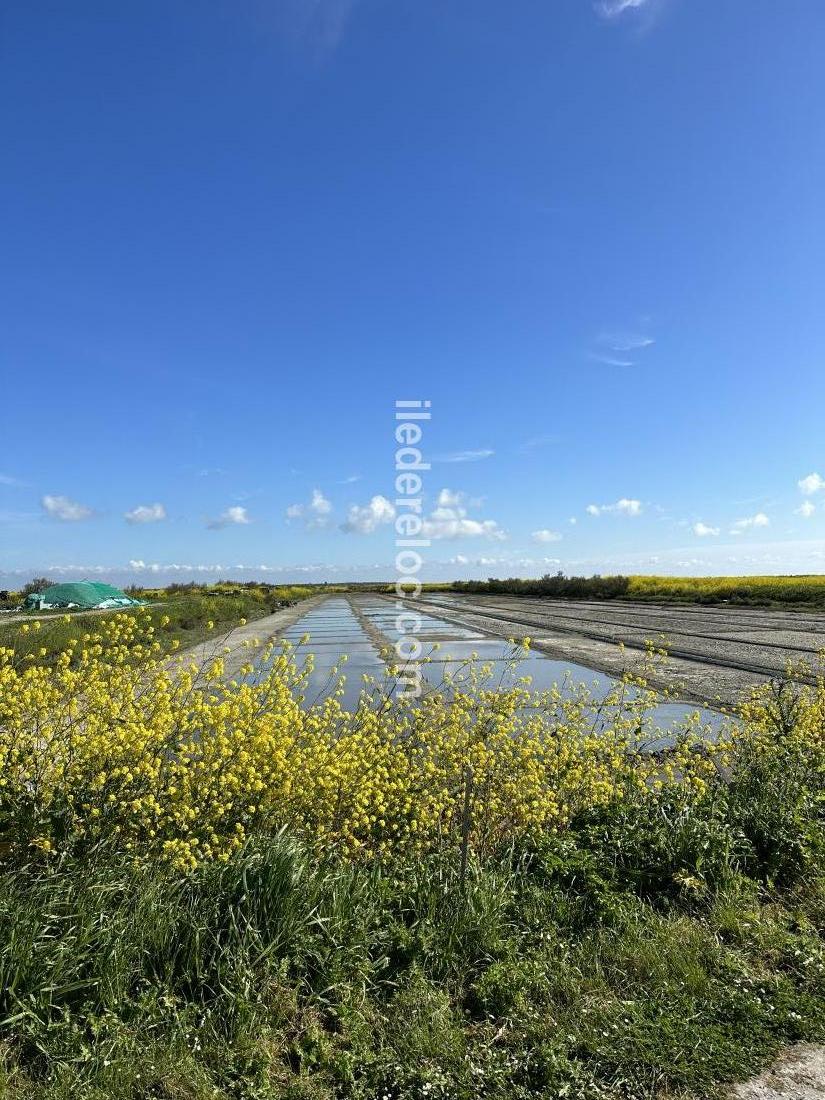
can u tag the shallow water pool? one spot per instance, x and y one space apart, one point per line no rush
333 630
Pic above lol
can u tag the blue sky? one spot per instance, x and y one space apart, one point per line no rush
591 234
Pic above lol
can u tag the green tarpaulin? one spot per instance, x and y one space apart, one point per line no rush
80 594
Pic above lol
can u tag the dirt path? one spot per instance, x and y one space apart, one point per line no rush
797 1074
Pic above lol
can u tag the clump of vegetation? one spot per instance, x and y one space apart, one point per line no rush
37 584
221 893
752 591
551 585
742 590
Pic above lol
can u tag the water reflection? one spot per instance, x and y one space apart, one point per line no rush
334 630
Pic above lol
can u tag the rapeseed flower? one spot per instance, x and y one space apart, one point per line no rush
169 758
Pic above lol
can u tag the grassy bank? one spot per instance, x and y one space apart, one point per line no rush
222 894
178 619
792 591
549 971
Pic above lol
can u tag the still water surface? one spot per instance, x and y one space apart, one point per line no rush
334 630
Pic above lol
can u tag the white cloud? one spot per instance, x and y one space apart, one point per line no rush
146 513
611 360
137 565
703 530
314 514
13 482
64 509
612 9
811 484
363 519
629 342
623 507
619 349
449 520
505 561
573 521
741 525
448 499
465 456
234 515
806 509
140 566
627 507
545 535
319 503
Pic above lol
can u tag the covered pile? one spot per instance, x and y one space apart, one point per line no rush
79 594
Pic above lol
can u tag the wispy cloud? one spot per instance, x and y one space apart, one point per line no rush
364 519
703 530
806 509
350 480
620 349
623 507
64 509
331 20
611 360
612 9
145 513
315 513
628 341
12 482
234 515
465 456
315 26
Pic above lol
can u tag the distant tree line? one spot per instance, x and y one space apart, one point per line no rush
551 585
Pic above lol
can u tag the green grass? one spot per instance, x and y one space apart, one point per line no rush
188 616
643 953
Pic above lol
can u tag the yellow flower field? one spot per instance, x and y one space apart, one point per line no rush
113 741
